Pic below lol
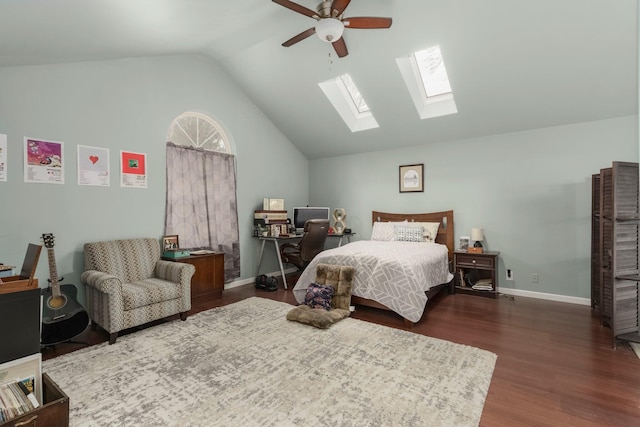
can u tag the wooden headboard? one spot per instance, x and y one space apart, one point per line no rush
445 232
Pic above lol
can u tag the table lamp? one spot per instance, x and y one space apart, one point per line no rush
477 235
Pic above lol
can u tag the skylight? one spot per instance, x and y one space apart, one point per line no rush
432 72
349 103
426 78
354 93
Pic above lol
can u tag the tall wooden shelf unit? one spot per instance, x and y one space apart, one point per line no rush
618 244
596 288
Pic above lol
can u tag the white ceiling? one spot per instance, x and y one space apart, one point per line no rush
513 64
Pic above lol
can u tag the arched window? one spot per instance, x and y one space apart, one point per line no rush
200 131
201 189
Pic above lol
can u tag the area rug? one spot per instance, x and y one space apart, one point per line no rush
244 365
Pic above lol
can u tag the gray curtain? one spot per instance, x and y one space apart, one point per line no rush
202 203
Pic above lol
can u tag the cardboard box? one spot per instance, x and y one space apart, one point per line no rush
473 250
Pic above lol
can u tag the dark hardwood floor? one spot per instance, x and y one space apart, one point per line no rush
555 367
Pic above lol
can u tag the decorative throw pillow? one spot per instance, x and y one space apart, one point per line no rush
382 231
319 296
430 230
408 233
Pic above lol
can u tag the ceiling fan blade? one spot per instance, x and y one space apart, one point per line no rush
367 22
297 8
341 47
303 35
338 6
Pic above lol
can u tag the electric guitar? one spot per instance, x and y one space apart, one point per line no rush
63 318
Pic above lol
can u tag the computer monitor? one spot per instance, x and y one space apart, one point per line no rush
302 214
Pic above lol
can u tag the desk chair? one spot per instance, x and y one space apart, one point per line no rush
311 244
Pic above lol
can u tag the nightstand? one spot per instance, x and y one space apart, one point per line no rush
484 264
209 275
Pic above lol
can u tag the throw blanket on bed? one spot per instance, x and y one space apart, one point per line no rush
395 274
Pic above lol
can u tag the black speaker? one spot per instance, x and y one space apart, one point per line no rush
19 324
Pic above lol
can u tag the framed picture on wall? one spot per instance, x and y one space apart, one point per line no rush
411 178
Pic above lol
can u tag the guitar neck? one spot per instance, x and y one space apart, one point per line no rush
53 272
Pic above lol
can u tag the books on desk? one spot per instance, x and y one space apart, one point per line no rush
270 215
278 230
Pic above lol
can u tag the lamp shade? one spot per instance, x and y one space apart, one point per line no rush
477 234
329 29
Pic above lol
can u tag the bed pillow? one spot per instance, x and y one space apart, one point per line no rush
382 231
408 233
430 229
319 296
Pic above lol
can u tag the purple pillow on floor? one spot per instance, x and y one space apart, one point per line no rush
319 296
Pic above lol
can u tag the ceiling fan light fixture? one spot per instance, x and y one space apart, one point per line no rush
329 29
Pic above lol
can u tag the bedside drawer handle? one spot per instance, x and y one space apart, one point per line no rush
473 261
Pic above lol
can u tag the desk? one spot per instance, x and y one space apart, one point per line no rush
348 236
276 246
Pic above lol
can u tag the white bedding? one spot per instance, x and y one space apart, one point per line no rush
395 274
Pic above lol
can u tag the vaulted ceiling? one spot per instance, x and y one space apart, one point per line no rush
513 65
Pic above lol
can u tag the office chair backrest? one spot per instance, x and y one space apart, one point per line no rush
312 242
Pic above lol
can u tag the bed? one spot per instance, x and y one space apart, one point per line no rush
394 275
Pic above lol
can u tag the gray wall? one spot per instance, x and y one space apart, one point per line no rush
530 191
128 105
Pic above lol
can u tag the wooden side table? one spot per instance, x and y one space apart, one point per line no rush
209 275
484 264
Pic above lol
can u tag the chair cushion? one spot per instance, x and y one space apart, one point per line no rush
340 279
317 317
319 296
147 292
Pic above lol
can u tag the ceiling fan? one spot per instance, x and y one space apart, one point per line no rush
331 23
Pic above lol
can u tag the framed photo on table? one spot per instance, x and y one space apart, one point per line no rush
411 178
463 244
170 242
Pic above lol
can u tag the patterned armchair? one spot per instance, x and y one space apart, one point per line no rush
127 284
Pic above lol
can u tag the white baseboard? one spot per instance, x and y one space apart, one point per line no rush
545 296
